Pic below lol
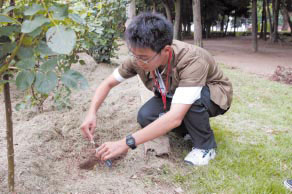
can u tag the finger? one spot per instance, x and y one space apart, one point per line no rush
101 149
84 134
92 129
109 156
105 154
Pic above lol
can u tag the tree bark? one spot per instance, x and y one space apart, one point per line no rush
226 27
131 12
254 26
9 134
234 25
276 9
285 11
197 23
285 20
177 19
263 21
167 10
154 7
270 17
222 24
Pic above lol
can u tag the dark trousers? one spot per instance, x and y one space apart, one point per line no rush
196 121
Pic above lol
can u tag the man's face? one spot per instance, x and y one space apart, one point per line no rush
146 58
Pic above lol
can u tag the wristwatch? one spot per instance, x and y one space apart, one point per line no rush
130 141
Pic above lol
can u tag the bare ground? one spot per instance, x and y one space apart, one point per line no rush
49 146
237 52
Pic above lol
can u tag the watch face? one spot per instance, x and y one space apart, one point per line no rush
131 142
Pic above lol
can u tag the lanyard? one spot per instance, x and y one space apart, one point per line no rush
163 94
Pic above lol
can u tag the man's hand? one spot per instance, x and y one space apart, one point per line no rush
88 126
111 150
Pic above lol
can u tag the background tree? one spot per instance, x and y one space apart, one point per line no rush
131 11
177 21
254 26
197 23
276 9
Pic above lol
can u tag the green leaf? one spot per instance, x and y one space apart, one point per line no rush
24 79
82 62
4 18
27 63
25 52
60 39
44 50
45 82
49 65
7 48
74 79
36 32
60 12
76 18
8 9
20 106
8 30
33 9
30 25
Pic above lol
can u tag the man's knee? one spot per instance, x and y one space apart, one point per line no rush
144 117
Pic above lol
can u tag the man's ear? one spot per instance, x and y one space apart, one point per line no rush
167 49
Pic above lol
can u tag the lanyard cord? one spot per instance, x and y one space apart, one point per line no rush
163 95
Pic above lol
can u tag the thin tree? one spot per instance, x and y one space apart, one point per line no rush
131 12
197 23
177 19
166 6
276 9
9 121
254 26
269 16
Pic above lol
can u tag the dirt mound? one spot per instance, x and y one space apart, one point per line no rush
283 74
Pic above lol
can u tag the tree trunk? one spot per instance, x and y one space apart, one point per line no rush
264 21
188 28
234 25
285 20
167 10
154 7
197 23
270 17
254 26
9 134
177 22
131 12
225 33
276 10
222 24
285 11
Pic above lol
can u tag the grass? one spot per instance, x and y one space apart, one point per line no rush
254 138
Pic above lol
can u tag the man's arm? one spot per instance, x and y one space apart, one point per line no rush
89 124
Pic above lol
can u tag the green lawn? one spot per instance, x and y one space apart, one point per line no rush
254 140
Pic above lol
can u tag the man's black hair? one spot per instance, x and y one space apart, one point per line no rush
149 30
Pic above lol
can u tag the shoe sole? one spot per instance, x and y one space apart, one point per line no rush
190 163
288 186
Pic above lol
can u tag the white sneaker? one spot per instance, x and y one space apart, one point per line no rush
199 157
